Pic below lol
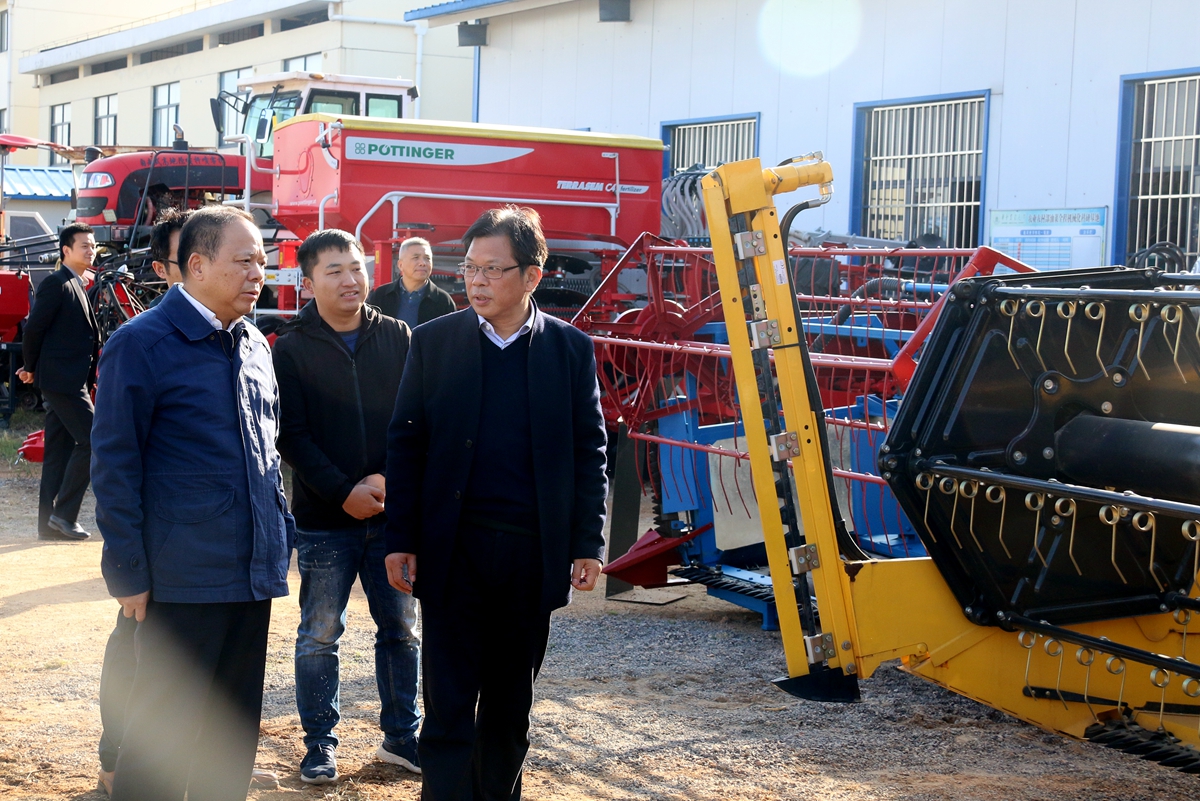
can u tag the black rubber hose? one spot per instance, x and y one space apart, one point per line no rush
846 309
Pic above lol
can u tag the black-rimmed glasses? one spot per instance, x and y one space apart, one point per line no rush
468 270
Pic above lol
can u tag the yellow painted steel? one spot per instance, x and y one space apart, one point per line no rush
882 610
756 437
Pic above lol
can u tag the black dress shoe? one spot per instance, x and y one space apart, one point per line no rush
70 531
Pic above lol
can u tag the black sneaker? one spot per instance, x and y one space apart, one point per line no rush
404 755
319 765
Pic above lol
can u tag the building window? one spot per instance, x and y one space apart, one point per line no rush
3 31
64 75
60 129
106 120
303 20
109 66
709 142
1158 183
166 114
309 63
181 49
3 120
229 83
240 34
920 170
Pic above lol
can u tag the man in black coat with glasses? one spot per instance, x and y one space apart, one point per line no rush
495 504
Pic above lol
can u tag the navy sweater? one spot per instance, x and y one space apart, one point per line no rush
501 488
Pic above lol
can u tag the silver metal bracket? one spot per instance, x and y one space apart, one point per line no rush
756 302
765 334
785 445
750 244
820 648
803 558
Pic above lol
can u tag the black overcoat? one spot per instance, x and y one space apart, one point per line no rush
437 420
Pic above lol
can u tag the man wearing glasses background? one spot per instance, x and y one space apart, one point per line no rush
495 491
164 249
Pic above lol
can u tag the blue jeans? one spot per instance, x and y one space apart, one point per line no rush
329 562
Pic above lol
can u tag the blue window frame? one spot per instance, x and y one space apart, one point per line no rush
920 168
710 141
1158 163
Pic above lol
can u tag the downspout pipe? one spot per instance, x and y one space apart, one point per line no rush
419 28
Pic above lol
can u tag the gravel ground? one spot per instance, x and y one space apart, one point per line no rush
635 702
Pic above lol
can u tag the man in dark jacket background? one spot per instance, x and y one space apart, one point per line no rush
60 346
496 492
189 499
413 297
339 365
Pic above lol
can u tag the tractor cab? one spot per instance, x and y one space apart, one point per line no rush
267 100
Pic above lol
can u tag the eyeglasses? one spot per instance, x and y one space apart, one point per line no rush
167 261
468 270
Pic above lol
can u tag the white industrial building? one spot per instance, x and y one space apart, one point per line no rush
1062 130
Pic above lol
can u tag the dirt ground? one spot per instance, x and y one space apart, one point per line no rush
635 702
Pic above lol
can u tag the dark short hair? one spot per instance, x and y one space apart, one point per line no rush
66 237
202 233
522 227
170 221
309 253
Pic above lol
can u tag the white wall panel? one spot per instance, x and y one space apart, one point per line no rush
562 51
1102 52
1037 93
632 61
670 58
596 61
912 53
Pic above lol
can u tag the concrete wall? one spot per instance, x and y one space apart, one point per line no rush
1052 67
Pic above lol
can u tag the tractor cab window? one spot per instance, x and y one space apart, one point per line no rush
340 103
383 106
286 106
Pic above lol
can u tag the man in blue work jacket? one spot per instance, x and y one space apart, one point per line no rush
196 529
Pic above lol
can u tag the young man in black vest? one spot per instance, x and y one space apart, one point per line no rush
413 297
60 347
339 365
495 492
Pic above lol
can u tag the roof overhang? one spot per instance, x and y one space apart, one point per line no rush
38 183
457 11
163 33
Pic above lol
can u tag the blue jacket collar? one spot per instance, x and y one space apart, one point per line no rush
189 322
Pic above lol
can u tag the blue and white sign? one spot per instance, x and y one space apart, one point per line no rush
408 151
1051 239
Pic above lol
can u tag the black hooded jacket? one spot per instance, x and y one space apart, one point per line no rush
335 409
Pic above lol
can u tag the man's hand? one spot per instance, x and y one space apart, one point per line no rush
364 501
375 480
135 605
584 574
402 570
25 376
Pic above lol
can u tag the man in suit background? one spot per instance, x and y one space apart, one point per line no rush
413 297
496 492
60 346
